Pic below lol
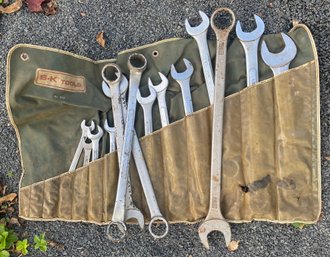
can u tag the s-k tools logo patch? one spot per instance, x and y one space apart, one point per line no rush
60 80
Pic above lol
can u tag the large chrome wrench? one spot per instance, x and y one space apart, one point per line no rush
161 98
130 211
143 171
199 33
183 78
250 42
279 62
214 219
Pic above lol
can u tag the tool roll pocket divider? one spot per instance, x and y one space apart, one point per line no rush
270 157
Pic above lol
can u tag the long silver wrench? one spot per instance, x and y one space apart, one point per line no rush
143 171
147 103
183 78
250 42
112 134
199 33
161 98
95 141
279 62
81 144
214 219
129 211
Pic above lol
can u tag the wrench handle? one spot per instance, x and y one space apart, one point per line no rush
186 96
161 97
87 156
147 111
251 55
112 141
95 152
76 156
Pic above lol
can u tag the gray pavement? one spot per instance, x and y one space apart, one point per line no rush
130 23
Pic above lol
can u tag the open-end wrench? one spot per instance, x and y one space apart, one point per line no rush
84 130
161 98
214 219
114 92
279 62
183 78
143 171
95 141
199 34
112 135
147 103
250 42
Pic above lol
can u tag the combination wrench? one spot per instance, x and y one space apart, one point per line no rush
183 78
112 133
147 103
199 33
250 42
161 98
279 62
142 170
214 219
95 141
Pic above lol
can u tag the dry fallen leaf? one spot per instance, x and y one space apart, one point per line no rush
14 7
14 221
55 245
100 39
35 5
8 198
233 246
327 158
50 7
82 14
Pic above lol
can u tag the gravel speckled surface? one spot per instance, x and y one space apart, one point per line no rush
128 24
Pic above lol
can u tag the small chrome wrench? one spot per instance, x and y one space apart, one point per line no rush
199 33
161 98
87 152
279 62
183 78
117 89
250 42
84 129
214 219
147 103
112 135
95 141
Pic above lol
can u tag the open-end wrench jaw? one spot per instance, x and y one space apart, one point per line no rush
281 59
135 214
214 225
162 86
107 127
253 35
96 136
148 99
202 27
185 74
86 128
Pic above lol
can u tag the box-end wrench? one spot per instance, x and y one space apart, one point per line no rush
143 173
161 98
250 42
199 33
112 76
183 78
279 62
147 103
214 219
112 134
95 141
80 148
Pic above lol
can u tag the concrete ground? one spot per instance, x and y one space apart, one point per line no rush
130 23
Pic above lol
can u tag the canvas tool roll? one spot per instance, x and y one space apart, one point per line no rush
271 140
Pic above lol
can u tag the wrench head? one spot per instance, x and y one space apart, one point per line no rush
86 128
107 128
146 100
121 230
214 225
161 220
275 60
201 28
253 35
162 86
135 214
96 136
123 85
182 75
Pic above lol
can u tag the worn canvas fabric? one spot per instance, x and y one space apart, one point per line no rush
271 141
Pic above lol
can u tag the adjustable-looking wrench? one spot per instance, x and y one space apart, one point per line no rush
279 62
82 143
147 103
115 93
250 42
161 97
112 134
199 34
183 78
95 141
214 219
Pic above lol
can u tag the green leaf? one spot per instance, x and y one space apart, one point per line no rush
298 225
3 238
4 253
10 173
2 228
1 1
21 246
40 242
11 239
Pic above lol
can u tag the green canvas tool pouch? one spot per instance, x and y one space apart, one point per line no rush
271 147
